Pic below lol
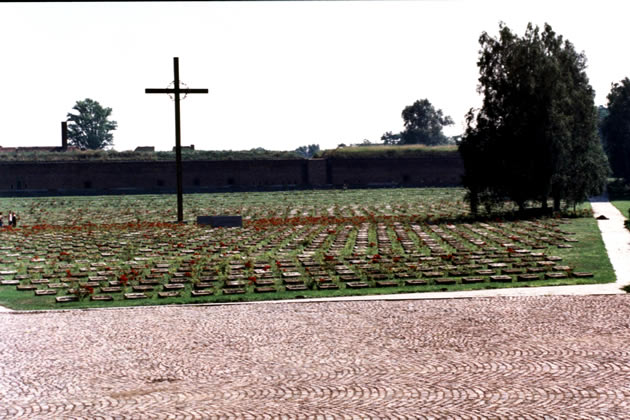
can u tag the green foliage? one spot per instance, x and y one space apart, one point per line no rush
615 129
535 136
423 124
107 155
307 152
90 128
384 152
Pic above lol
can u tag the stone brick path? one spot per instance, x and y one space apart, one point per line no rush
564 357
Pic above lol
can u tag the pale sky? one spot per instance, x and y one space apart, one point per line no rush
280 74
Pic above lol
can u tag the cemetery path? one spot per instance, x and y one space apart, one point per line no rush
538 357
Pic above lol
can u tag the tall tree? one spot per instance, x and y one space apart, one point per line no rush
307 152
423 124
535 136
90 127
616 129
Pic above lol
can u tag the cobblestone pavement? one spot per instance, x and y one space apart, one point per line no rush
565 357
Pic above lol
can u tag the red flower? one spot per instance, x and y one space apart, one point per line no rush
123 279
328 257
251 278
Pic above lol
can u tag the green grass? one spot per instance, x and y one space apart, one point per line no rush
380 152
589 254
623 206
129 155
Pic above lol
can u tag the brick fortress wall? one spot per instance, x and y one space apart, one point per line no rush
76 177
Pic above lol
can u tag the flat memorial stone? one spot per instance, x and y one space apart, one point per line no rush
135 296
220 221
206 292
44 292
69 298
9 282
233 291
101 297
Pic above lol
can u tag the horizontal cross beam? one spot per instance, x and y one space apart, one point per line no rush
176 90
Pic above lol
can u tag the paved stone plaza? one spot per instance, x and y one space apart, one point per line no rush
565 357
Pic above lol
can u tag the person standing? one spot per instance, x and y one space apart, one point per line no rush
14 219
10 219
1 221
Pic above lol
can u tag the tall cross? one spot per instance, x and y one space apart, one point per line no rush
177 90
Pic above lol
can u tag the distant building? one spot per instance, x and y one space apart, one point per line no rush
191 147
145 149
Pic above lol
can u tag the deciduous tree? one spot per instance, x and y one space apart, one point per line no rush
423 124
90 128
535 136
616 129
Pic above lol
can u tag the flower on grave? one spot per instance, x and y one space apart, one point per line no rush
278 264
266 267
322 280
329 257
68 273
123 279
188 274
89 289
371 244
248 264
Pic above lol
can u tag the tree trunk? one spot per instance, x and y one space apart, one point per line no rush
474 202
556 203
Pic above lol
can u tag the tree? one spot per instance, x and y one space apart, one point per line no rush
423 124
535 136
616 129
90 128
307 152
390 138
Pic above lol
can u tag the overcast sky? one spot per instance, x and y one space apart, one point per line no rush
280 74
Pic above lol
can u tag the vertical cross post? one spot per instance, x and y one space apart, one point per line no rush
176 91
178 146
64 136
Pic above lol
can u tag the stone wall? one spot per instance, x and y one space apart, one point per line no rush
159 176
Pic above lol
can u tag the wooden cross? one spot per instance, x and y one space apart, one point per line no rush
176 90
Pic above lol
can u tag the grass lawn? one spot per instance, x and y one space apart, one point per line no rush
320 243
622 205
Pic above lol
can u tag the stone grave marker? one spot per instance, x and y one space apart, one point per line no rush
220 221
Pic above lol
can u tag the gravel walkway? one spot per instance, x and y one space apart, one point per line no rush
560 357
